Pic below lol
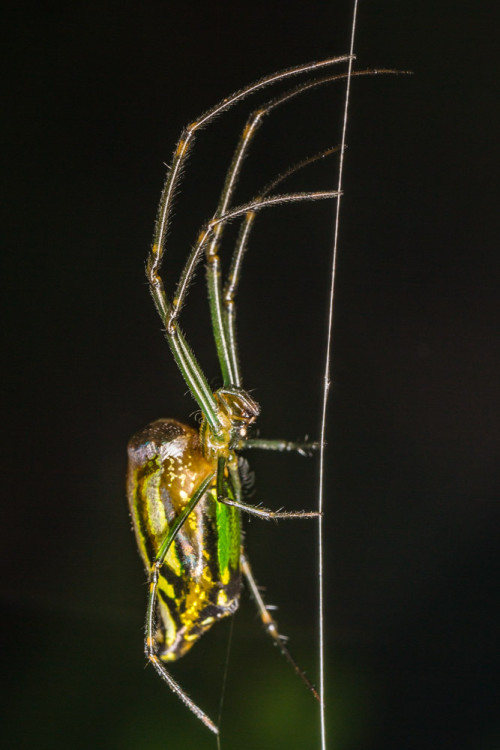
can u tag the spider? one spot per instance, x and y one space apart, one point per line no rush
186 486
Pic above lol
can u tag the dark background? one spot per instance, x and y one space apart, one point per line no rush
96 96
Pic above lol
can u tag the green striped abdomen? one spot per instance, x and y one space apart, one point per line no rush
200 578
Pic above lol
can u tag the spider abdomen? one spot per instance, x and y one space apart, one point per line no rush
199 581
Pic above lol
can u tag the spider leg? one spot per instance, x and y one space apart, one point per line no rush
233 278
264 513
184 144
270 624
187 139
208 230
154 573
224 337
303 447
169 312
222 323
176 688
182 353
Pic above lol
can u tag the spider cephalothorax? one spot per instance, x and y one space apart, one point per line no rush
237 411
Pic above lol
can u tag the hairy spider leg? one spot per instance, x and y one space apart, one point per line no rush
169 312
268 515
154 575
182 353
224 337
187 138
209 229
155 570
302 447
224 327
210 236
270 624
223 313
234 273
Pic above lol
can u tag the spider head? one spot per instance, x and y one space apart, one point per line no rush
238 410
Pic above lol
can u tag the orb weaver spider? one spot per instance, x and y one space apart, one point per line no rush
185 486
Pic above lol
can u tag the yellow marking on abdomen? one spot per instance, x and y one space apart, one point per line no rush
167 587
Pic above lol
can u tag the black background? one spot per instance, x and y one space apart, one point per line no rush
96 95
